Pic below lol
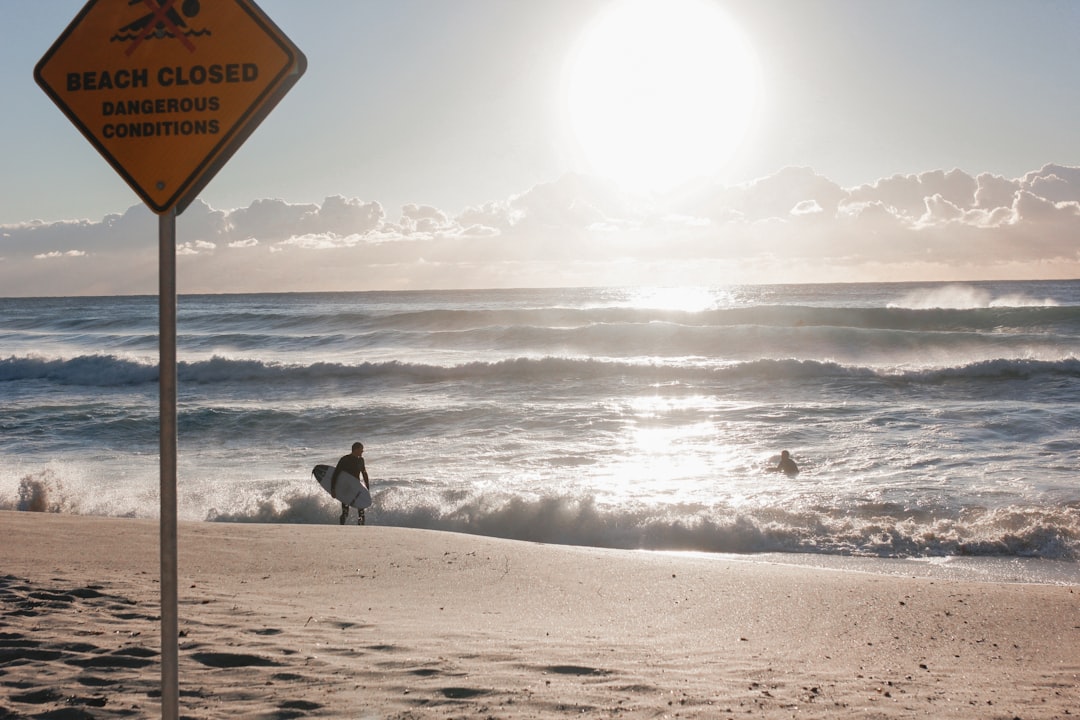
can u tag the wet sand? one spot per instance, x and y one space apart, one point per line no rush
286 621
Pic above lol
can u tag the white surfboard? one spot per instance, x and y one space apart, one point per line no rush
349 490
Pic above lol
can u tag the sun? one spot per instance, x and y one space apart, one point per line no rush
659 92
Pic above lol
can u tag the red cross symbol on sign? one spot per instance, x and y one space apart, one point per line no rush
161 15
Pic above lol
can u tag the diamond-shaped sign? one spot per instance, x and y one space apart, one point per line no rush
168 90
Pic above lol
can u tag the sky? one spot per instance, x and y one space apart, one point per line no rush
496 143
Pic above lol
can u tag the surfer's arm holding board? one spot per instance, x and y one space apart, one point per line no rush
363 470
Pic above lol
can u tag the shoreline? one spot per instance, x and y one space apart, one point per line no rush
328 621
968 568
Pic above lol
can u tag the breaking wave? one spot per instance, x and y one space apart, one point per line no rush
110 371
870 530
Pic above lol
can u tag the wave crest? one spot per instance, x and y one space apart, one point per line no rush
108 370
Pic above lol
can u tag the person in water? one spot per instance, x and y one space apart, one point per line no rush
787 465
353 463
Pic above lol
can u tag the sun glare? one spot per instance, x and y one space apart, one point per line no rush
684 299
660 92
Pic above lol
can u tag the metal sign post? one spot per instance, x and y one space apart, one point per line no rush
167 92
170 681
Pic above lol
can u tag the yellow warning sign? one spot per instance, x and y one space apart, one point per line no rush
168 90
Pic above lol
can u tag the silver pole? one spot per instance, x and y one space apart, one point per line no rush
170 689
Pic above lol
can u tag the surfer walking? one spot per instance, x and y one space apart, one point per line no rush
786 465
353 464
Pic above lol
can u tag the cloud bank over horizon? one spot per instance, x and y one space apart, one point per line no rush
792 226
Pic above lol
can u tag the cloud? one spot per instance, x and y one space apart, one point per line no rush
424 220
994 191
1055 183
792 226
57 254
907 194
345 216
269 220
194 248
807 207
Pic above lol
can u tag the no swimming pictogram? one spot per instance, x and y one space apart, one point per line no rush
168 90
163 20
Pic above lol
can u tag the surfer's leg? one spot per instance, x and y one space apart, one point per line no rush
360 517
344 514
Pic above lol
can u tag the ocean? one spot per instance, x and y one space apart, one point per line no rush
935 425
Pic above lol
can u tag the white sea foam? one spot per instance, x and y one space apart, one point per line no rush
967 297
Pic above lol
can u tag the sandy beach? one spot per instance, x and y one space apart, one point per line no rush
282 621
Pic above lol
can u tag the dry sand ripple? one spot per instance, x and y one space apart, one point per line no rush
281 621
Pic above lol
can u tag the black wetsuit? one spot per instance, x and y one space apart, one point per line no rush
350 464
788 467
355 467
